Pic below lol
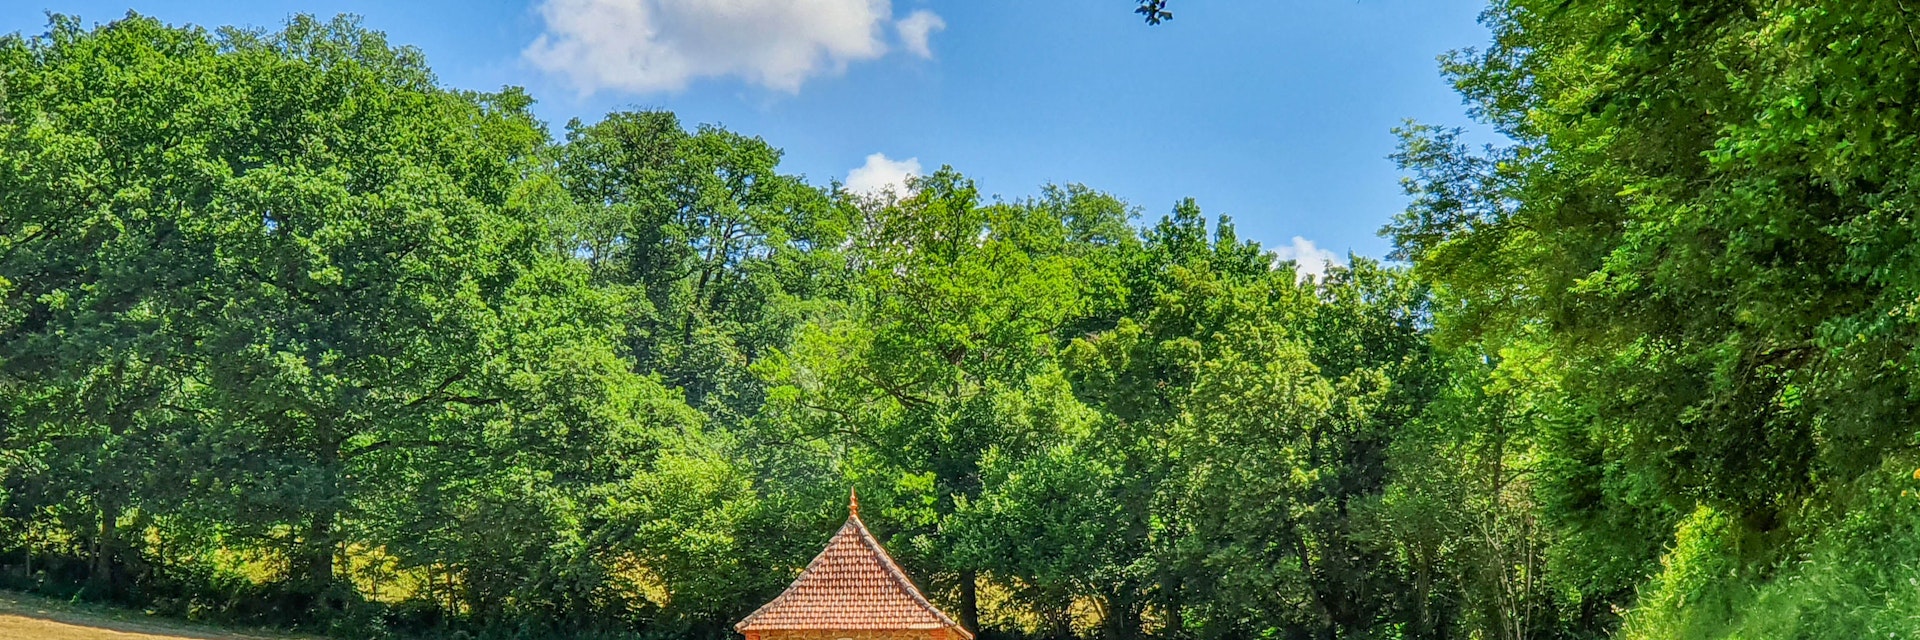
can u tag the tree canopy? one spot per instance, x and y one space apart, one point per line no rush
293 334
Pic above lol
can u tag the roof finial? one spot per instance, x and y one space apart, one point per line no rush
853 503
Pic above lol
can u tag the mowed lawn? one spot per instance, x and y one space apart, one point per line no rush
30 618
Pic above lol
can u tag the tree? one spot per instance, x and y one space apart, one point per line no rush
1697 229
96 258
1246 419
281 289
944 355
727 250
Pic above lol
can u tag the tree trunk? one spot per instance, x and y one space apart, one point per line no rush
318 545
1176 613
1316 595
970 600
101 568
1422 590
318 574
1122 621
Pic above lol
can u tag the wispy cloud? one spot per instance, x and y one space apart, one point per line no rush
645 46
915 29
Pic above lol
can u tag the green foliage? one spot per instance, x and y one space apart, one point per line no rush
943 354
728 252
1250 415
1852 580
277 305
290 333
1688 255
1690 597
334 347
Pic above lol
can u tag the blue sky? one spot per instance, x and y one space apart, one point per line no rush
1277 113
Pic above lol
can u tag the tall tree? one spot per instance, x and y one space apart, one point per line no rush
945 353
274 284
1701 228
727 250
97 260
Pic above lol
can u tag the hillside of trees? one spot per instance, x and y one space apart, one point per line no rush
292 334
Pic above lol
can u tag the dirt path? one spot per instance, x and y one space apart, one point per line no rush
28 618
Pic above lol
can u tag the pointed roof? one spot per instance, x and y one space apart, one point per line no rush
852 585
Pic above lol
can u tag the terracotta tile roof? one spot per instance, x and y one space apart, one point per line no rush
852 584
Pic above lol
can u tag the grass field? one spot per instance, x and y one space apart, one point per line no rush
30 618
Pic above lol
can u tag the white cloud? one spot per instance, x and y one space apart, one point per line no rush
1309 260
916 28
661 45
881 174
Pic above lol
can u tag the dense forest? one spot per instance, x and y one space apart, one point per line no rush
292 334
